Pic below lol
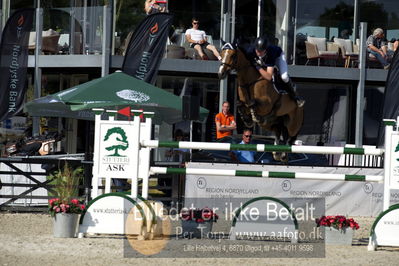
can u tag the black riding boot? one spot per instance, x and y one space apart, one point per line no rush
291 90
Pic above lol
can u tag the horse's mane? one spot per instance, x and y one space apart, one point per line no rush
243 55
244 50
248 60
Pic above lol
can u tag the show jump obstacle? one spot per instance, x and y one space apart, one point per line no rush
122 150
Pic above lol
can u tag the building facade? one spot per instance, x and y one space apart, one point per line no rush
82 40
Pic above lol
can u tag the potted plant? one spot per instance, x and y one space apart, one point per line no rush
66 208
197 222
338 229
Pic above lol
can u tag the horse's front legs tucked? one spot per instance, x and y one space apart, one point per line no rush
264 120
252 106
245 114
281 138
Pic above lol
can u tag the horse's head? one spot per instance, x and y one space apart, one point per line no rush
228 62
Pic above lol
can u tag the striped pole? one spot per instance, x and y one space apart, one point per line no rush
270 174
366 150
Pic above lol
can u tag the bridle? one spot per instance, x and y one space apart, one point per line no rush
228 46
234 64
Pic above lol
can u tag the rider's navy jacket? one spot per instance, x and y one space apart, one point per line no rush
269 59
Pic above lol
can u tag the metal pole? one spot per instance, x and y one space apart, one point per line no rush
222 92
191 139
355 21
294 21
233 20
287 25
84 30
72 31
360 88
222 20
106 43
114 25
6 13
38 70
225 35
260 17
284 28
1 17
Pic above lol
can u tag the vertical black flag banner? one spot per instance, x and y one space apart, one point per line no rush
147 46
390 106
14 61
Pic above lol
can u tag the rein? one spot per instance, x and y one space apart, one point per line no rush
234 64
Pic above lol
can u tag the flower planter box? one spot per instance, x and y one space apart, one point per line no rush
192 229
338 237
65 225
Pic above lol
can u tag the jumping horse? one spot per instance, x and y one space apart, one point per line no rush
260 102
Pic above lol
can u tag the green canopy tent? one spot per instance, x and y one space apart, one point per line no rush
113 91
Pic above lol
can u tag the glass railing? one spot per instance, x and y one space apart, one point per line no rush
71 31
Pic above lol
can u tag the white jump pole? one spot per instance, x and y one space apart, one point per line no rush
364 150
387 161
111 114
144 165
270 174
96 153
135 154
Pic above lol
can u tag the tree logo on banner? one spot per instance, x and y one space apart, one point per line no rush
396 150
116 136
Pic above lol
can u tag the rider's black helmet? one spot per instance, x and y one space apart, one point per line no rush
261 44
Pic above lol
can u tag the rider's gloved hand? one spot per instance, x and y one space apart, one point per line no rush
259 62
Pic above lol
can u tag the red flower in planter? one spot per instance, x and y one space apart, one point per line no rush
74 201
57 205
338 222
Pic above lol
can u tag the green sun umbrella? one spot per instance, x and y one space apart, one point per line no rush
116 90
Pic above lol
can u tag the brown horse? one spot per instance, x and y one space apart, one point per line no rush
259 101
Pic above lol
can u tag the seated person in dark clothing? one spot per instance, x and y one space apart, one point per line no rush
377 46
177 154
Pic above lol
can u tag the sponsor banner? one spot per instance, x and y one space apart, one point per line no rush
394 176
115 149
14 61
352 198
387 225
391 94
147 46
107 214
262 227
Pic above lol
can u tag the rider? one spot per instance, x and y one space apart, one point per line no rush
265 57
